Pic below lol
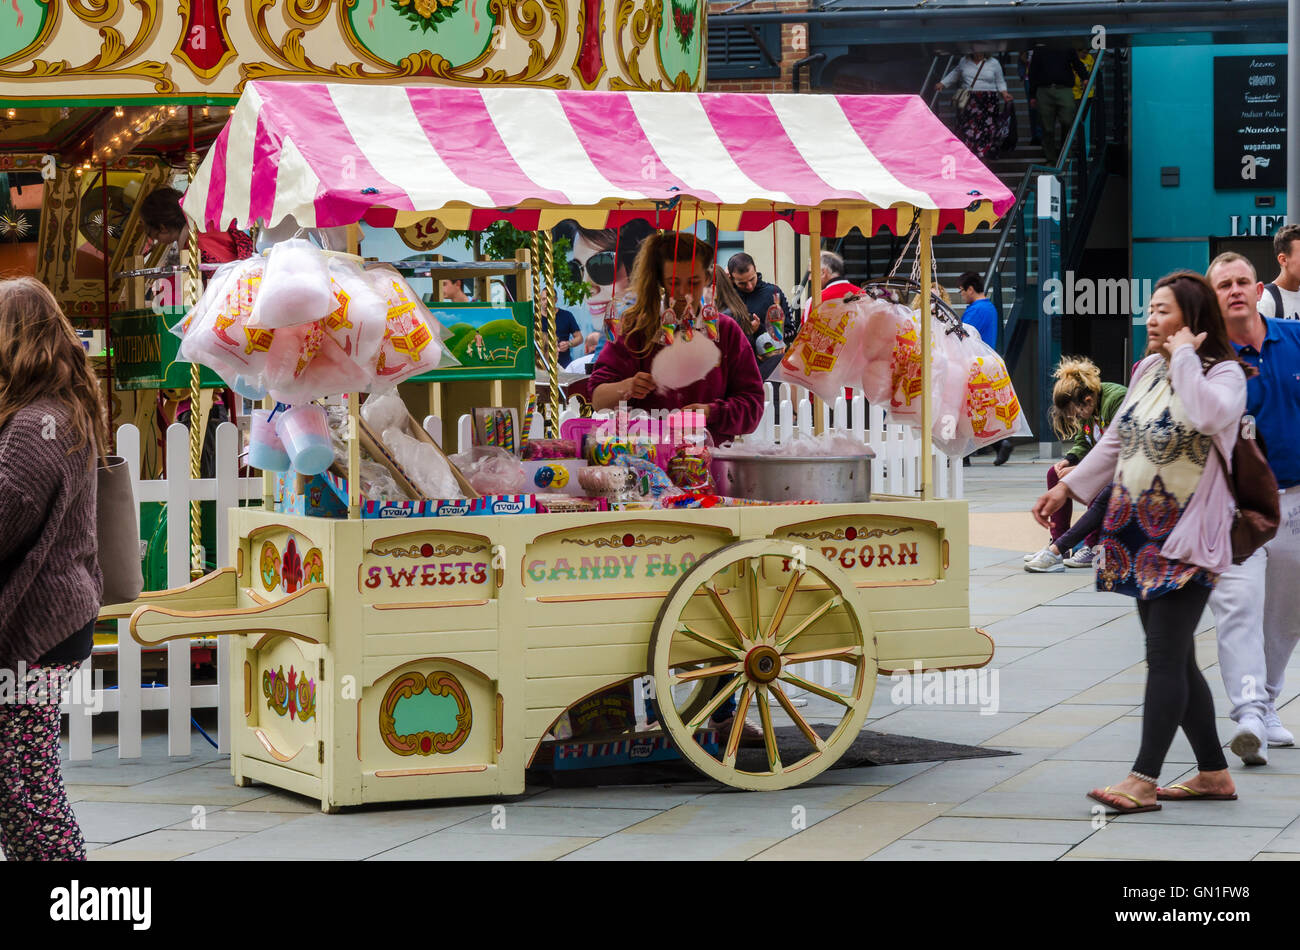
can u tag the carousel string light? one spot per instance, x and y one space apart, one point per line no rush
118 111
12 113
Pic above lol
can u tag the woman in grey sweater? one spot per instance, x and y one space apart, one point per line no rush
984 124
52 431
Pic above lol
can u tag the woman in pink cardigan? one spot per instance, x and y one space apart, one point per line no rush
1165 538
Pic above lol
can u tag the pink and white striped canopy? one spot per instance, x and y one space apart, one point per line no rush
334 154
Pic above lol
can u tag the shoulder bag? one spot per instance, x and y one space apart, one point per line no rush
961 97
118 527
1254 494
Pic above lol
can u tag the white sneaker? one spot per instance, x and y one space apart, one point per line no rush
1080 558
1045 562
1250 741
1277 733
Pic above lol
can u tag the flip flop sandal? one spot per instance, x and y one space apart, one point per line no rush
1192 795
1137 808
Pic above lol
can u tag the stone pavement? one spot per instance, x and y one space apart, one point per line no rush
1070 679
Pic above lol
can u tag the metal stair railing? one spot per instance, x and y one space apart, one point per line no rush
1082 175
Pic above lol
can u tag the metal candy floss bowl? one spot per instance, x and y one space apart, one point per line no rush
423 691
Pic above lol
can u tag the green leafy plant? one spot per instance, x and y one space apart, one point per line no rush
502 239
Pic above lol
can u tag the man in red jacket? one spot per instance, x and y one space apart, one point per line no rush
834 283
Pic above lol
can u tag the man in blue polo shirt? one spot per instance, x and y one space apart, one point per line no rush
1257 604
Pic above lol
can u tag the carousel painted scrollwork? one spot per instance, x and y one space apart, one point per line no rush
113 59
204 44
292 695
675 30
406 738
456 43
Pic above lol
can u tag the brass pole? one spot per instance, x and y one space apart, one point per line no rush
815 295
548 347
927 405
196 437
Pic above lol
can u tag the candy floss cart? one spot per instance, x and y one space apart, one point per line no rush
430 655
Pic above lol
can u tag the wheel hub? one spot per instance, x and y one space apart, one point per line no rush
763 664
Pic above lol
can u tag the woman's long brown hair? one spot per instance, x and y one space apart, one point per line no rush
643 320
1201 314
41 357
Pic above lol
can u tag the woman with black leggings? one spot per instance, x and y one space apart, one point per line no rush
1165 536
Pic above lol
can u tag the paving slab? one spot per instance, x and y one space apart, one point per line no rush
1028 831
1056 727
855 833
346 836
109 822
164 845
1142 841
910 849
672 847
523 819
499 847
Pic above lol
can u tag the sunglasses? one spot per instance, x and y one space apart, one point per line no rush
599 268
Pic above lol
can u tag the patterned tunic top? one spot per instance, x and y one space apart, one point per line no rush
1161 460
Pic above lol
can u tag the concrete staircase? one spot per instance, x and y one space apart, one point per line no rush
957 253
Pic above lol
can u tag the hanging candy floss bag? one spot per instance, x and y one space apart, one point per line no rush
887 328
951 429
412 342
991 404
218 336
827 354
296 288
358 317
337 353
900 392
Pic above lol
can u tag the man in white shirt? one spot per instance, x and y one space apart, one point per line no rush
1281 298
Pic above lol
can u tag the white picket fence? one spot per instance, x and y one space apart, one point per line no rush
130 698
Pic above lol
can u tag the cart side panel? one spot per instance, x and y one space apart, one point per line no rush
592 589
439 656
910 564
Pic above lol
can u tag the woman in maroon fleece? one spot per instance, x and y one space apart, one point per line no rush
52 429
675 266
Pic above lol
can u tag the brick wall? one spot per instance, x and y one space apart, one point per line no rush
794 46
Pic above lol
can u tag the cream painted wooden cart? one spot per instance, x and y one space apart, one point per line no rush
428 658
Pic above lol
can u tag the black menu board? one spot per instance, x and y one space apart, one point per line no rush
1250 122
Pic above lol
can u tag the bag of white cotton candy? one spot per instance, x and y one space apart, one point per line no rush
426 469
295 288
383 411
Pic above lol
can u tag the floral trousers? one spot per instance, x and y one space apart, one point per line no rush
36 821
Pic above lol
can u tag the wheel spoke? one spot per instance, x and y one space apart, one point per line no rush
738 726
709 641
811 619
726 614
799 720
769 733
723 695
786 596
679 678
751 580
837 653
822 691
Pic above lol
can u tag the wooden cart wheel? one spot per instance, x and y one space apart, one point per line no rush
746 617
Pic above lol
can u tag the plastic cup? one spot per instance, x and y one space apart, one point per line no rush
265 450
248 388
305 433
